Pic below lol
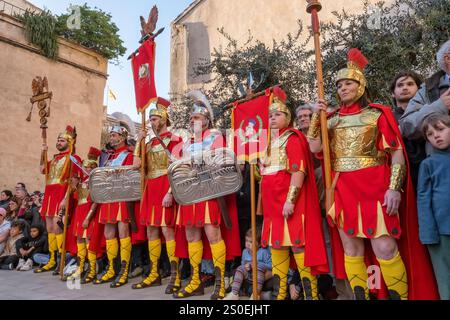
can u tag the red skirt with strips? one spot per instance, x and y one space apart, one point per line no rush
53 195
152 211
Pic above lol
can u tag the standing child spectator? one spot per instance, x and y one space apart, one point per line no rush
9 258
29 246
433 201
244 271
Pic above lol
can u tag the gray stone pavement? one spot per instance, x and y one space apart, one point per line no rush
26 285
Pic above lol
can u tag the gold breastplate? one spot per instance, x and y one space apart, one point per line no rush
157 160
353 141
276 159
56 172
83 193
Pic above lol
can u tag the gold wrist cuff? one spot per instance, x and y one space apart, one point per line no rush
314 127
293 194
398 174
137 150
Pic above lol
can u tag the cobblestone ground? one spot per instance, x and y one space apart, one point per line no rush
27 285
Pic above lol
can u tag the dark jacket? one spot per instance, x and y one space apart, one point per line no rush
426 102
40 243
433 201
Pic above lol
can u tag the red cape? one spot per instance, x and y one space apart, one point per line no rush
315 251
421 280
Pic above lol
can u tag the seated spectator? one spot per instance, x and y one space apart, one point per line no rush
9 258
244 271
14 208
5 196
29 246
5 225
31 210
433 201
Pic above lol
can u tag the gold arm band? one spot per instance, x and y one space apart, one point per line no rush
398 174
169 191
293 194
314 127
137 150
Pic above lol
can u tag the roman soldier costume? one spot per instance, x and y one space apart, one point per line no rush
361 139
57 183
90 238
159 151
207 213
112 213
288 153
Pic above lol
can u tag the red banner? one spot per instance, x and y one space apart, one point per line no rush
250 124
143 63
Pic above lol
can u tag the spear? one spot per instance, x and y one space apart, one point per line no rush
313 8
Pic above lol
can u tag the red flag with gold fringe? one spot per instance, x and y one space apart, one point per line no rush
143 63
250 124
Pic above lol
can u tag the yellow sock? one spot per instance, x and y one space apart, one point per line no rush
219 252
81 254
154 249
395 277
125 256
357 276
92 258
59 241
170 247
280 268
305 274
52 248
195 259
112 250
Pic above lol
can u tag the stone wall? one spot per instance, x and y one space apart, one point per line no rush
195 35
77 80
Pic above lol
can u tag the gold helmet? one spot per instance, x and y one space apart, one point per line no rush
91 161
159 108
355 71
70 135
279 103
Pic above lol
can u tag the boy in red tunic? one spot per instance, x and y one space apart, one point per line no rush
290 204
86 228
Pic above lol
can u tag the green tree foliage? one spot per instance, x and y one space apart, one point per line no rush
404 35
40 29
97 32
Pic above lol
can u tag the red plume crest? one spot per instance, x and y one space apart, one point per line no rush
357 58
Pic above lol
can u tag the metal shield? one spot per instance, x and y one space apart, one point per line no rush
204 176
115 184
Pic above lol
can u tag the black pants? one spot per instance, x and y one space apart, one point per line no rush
5 261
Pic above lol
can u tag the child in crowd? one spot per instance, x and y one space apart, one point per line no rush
9 257
29 246
433 201
244 271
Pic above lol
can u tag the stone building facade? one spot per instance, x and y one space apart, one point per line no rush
195 31
77 79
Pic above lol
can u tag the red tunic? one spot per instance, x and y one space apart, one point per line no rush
56 185
421 280
117 211
365 222
303 228
152 211
208 212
